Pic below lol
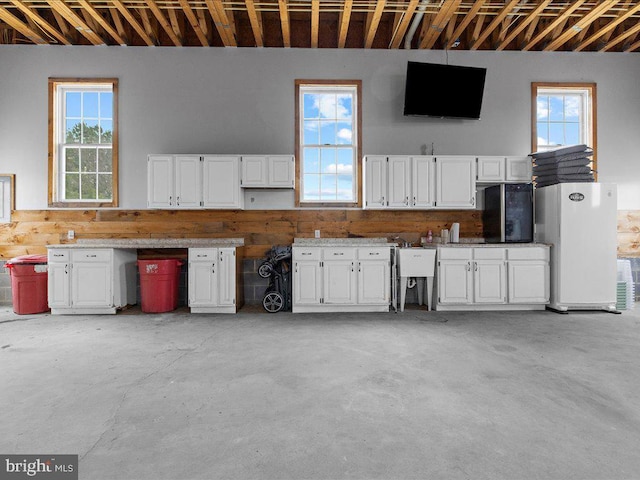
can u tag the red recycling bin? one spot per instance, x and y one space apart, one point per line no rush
29 280
159 280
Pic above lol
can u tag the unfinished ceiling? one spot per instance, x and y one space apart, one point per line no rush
543 25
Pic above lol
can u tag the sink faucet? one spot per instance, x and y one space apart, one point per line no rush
402 241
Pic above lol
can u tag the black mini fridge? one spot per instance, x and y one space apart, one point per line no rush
508 213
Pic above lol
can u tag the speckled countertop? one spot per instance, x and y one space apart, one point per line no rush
342 242
489 245
153 243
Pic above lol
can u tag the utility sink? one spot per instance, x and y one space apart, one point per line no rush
420 263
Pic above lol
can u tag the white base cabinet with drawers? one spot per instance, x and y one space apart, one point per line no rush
91 281
341 279
212 281
493 278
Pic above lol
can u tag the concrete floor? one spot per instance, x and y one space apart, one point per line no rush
422 395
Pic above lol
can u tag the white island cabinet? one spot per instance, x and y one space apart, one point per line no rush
338 277
88 281
493 277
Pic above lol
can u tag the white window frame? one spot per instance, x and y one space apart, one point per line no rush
353 88
57 140
586 92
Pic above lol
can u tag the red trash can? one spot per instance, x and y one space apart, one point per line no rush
29 280
159 280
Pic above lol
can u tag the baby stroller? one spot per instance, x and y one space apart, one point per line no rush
277 268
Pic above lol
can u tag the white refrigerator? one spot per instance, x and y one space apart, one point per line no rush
579 220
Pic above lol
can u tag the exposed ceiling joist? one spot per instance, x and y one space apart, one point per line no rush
607 28
439 23
372 23
471 14
41 22
193 20
124 11
345 17
76 22
256 22
164 23
572 7
87 7
284 23
494 24
533 16
315 22
21 27
401 30
221 21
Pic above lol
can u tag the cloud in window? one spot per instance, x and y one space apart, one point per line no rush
345 134
339 168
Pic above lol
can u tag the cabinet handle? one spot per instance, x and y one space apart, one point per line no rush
170 200
91 256
468 266
352 266
213 268
374 253
296 267
178 201
359 266
406 201
305 253
475 266
414 201
202 255
338 253
473 201
66 269
382 202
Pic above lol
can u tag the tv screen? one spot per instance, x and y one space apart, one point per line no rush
444 91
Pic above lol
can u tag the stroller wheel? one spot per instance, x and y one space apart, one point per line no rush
265 270
273 302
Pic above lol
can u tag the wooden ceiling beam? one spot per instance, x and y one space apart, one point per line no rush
117 23
373 23
471 14
18 25
580 25
193 20
345 17
164 23
315 22
41 22
124 11
494 24
620 38
607 29
256 22
87 7
533 15
220 20
143 13
76 22
176 24
401 30
284 23
439 23
633 47
562 17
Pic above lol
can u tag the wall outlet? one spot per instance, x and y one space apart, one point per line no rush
71 235
317 233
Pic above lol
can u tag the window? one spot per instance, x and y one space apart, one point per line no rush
563 114
328 142
83 143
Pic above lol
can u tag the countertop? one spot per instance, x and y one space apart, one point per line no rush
342 242
485 245
153 243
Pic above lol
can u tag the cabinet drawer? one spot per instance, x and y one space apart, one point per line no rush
202 254
58 256
489 253
306 253
528 253
91 255
339 253
374 253
454 253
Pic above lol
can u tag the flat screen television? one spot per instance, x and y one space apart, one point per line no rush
444 91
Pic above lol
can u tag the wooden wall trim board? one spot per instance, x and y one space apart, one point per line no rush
30 231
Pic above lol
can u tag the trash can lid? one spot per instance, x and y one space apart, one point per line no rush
28 259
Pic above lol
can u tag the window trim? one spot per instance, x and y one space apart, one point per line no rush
53 193
593 117
357 176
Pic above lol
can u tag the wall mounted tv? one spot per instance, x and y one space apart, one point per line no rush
444 91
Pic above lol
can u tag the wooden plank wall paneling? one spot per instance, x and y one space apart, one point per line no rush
32 230
628 233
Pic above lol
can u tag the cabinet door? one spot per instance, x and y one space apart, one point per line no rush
528 281
58 285
489 281
373 282
399 182
221 181
160 181
339 285
307 283
188 181
455 282
518 169
455 182
281 171
491 169
375 181
227 276
91 284
203 283
254 171
423 181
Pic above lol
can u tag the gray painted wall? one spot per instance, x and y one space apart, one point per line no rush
197 100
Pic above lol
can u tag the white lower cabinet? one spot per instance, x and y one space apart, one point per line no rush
341 279
492 278
88 281
212 282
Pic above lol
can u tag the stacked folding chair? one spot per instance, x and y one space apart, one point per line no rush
562 165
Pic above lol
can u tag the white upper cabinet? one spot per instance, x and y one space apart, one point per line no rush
399 191
188 181
518 169
498 169
268 171
455 182
491 169
423 182
221 175
160 181
375 181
